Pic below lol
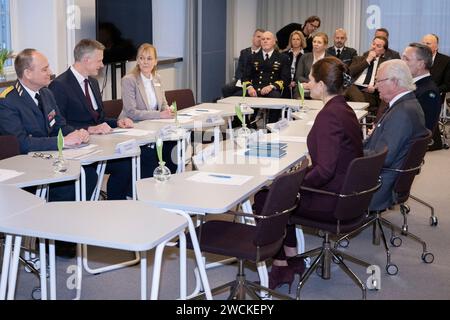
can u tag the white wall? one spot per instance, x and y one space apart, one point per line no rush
245 24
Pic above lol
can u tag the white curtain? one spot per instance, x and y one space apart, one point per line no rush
407 21
190 80
275 14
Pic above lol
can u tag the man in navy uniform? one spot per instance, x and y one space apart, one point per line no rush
419 59
78 96
267 73
339 50
28 111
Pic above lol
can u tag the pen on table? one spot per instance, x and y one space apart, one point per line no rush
184 115
220 176
118 131
202 110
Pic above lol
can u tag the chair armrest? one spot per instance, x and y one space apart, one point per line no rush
333 194
405 170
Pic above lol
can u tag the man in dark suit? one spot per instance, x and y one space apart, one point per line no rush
230 88
389 54
398 127
419 59
311 25
339 50
267 73
78 96
440 70
363 70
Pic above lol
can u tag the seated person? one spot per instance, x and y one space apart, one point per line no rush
339 50
28 110
294 51
230 88
78 96
267 73
389 54
398 127
144 99
320 43
333 142
363 70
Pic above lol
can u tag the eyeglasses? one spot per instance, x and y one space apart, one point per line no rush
315 26
42 155
382 80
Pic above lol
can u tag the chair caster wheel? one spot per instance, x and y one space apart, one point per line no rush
374 287
392 269
344 243
405 209
433 221
338 259
396 241
36 293
427 257
35 263
319 271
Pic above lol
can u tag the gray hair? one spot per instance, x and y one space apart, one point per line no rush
86 47
24 61
398 69
423 53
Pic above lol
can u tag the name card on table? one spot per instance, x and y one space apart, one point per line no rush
128 146
280 125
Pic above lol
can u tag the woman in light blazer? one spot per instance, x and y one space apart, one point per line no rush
142 92
144 99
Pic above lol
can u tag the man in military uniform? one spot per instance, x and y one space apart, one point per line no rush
267 73
28 111
419 59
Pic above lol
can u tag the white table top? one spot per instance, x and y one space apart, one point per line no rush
271 103
312 114
232 161
14 201
37 171
124 225
227 110
181 194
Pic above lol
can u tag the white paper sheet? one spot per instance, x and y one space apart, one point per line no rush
181 119
220 178
76 154
8 174
292 139
133 132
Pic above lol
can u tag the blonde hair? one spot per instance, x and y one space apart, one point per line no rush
302 40
398 69
322 35
144 48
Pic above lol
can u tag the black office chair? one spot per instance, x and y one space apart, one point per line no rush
113 108
183 97
255 243
361 182
10 147
401 190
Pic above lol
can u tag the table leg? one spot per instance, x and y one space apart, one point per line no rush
5 266
13 268
144 275
51 249
43 269
183 266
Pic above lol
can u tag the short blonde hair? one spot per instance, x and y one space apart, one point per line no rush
322 35
145 48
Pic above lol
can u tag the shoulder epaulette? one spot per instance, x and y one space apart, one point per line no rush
6 91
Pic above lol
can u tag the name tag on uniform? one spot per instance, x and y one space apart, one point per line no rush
51 118
156 84
52 123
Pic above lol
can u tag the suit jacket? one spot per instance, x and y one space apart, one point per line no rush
242 63
260 73
397 128
440 72
304 67
21 117
359 64
72 101
284 33
347 54
427 93
391 54
135 101
333 142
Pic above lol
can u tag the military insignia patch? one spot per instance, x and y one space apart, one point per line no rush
5 92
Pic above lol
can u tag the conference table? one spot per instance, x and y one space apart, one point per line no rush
123 225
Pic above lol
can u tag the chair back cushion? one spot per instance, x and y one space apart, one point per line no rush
281 196
362 175
413 159
113 108
9 147
183 97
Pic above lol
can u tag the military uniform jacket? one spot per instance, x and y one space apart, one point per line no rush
274 71
21 117
427 94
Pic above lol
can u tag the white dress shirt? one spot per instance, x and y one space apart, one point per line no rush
421 77
80 78
362 77
150 92
31 93
398 97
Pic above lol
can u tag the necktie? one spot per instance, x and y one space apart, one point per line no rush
93 112
267 56
37 96
369 73
338 53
